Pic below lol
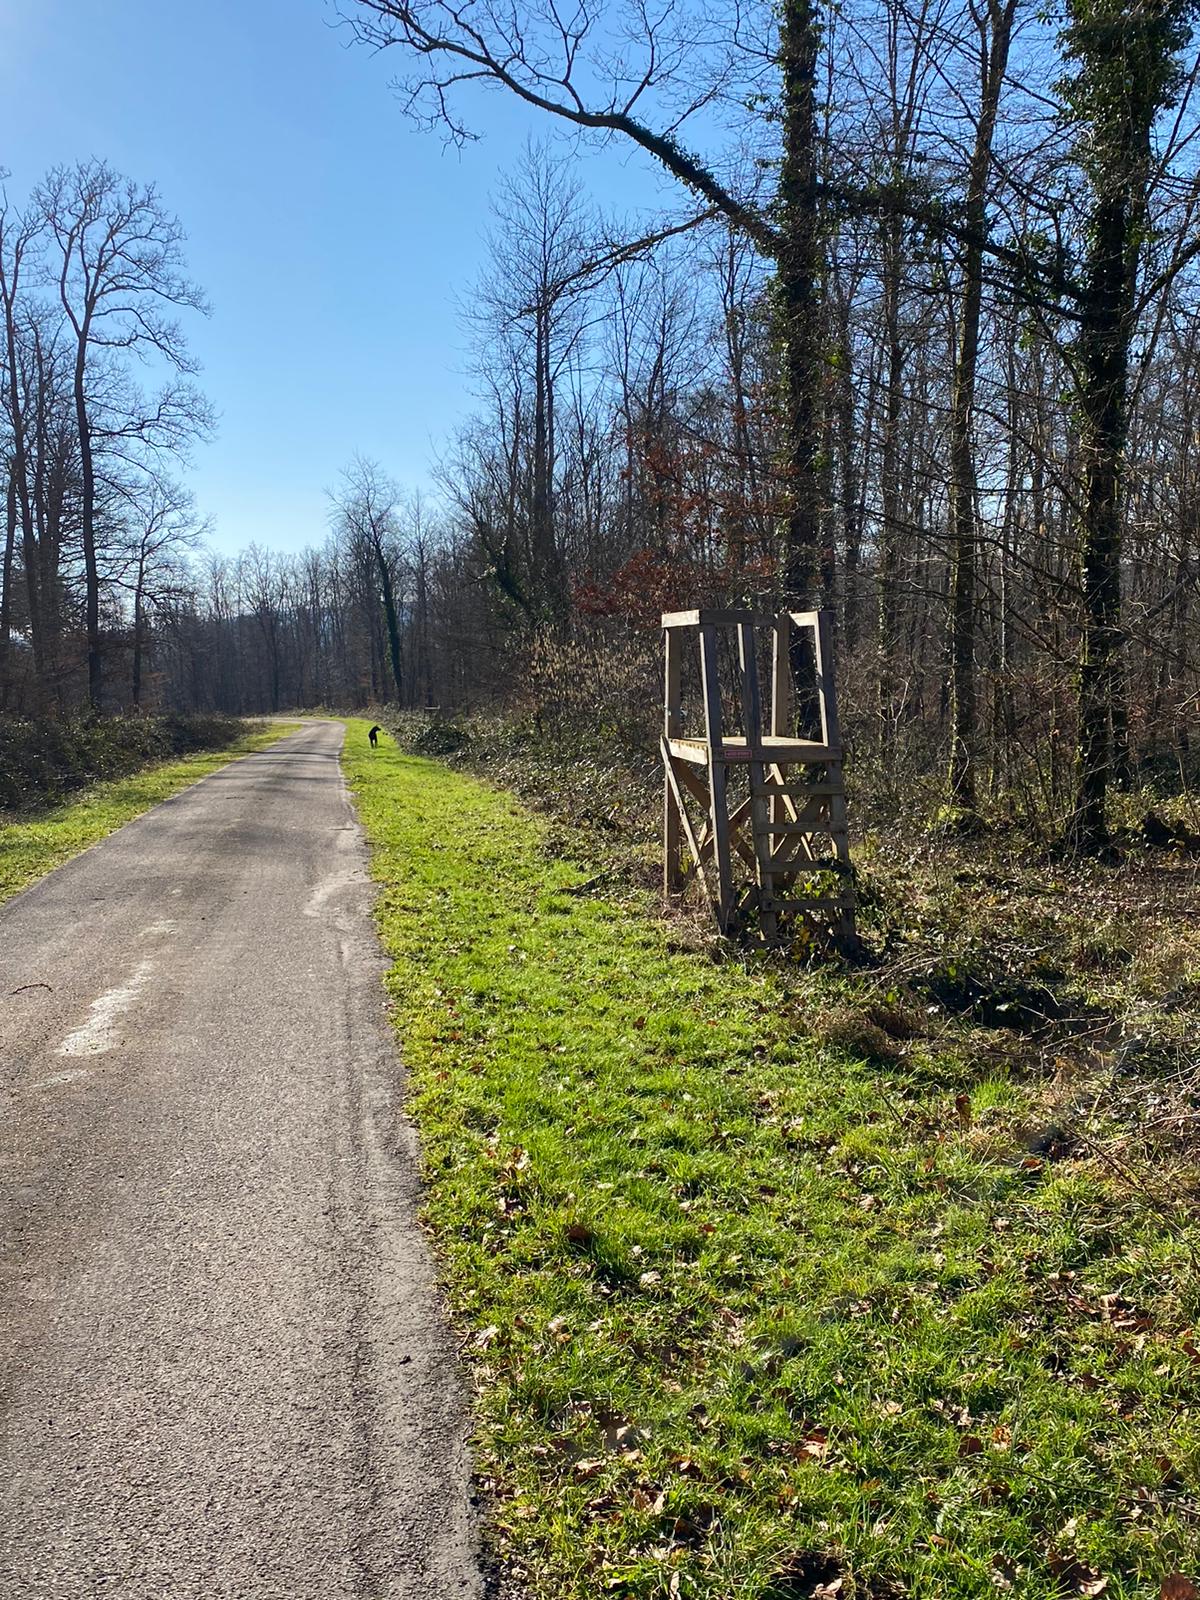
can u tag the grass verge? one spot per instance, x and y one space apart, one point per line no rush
34 843
756 1309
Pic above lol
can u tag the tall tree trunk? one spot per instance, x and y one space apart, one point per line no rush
1116 97
424 652
799 270
391 619
139 620
798 279
889 472
748 509
19 488
545 587
1104 356
6 583
850 498
87 515
995 34
273 646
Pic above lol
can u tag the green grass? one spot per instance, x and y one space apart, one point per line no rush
746 1314
32 844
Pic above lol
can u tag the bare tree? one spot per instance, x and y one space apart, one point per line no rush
993 21
19 242
162 528
528 304
623 72
366 509
119 272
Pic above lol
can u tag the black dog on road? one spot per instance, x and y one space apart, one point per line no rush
373 735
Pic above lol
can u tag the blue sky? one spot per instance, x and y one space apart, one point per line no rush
331 235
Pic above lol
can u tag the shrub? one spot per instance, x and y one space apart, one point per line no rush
43 759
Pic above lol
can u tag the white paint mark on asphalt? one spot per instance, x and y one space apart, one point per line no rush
99 1033
159 929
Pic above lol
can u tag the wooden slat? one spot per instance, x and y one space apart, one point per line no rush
672 728
745 851
783 806
685 822
781 704
739 814
693 750
711 683
788 859
694 785
751 700
672 687
672 839
759 810
707 618
830 727
788 752
841 902
781 679
802 825
799 790
736 838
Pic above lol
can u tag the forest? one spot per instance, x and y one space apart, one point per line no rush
913 336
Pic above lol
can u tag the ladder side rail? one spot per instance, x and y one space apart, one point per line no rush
714 732
673 820
831 733
759 806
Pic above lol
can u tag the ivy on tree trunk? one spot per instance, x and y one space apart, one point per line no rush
1127 71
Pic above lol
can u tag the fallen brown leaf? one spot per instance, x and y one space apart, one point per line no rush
1075 1575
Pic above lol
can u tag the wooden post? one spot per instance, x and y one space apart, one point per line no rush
823 645
719 809
781 697
760 818
831 735
672 729
781 677
751 699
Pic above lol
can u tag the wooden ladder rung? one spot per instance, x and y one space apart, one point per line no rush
841 902
799 790
772 828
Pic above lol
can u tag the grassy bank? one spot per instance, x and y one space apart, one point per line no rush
46 759
760 1305
32 843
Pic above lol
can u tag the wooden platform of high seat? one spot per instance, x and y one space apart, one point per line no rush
769 748
776 859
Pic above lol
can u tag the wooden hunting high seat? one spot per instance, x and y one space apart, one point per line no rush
771 802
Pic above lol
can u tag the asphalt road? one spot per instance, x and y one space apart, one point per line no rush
223 1372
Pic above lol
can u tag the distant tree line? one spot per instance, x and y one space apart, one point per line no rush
919 342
